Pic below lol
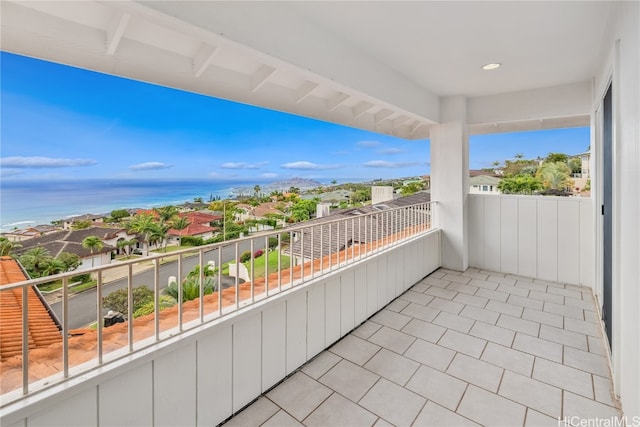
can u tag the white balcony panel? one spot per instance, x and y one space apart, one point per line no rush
315 320
395 272
116 406
360 287
476 231
215 376
509 230
372 288
246 360
332 307
296 331
383 283
274 345
174 395
347 303
568 245
80 410
492 222
527 238
549 238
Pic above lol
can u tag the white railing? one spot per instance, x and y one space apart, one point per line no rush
292 257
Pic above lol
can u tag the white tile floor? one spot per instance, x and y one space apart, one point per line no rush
457 349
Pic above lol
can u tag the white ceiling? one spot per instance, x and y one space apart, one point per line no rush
381 66
442 45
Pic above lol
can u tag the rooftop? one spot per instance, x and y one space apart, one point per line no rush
43 330
472 348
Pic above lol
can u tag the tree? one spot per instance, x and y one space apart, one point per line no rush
35 261
142 224
7 247
519 156
81 225
159 233
520 184
516 167
256 191
93 243
555 176
69 260
495 164
575 164
199 199
166 213
119 214
180 223
118 300
303 209
556 158
334 182
121 244
294 190
411 188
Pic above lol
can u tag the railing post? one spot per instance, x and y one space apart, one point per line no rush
25 339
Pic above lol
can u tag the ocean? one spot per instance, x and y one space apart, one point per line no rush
25 203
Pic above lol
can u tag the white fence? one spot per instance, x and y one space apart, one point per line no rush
549 238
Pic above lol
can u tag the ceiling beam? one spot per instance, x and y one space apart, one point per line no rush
260 77
398 121
203 59
116 31
337 101
361 108
382 115
415 127
304 91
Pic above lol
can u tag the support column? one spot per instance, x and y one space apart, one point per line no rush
450 180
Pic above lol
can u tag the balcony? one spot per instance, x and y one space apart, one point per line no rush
471 348
365 327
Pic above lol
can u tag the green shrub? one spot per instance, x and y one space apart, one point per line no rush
273 242
191 288
245 256
191 241
148 308
117 300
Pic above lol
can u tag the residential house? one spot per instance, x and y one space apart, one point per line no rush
29 232
484 184
71 241
552 65
68 223
199 226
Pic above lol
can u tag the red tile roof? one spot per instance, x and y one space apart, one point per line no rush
193 230
42 330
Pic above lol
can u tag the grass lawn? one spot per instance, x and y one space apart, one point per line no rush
258 264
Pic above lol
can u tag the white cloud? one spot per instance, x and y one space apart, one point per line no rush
308 166
242 165
368 144
386 164
150 166
43 162
5 173
392 150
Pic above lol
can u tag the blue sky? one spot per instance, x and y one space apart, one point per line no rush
60 122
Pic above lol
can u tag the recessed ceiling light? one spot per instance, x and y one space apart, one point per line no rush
491 66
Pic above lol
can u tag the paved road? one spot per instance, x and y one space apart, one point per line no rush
82 306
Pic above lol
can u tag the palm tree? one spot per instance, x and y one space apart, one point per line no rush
180 223
92 243
130 243
7 247
121 244
159 234
554 176
256 191
166 213
35 261
519 156
143 225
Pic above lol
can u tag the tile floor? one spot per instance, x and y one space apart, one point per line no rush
457 349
